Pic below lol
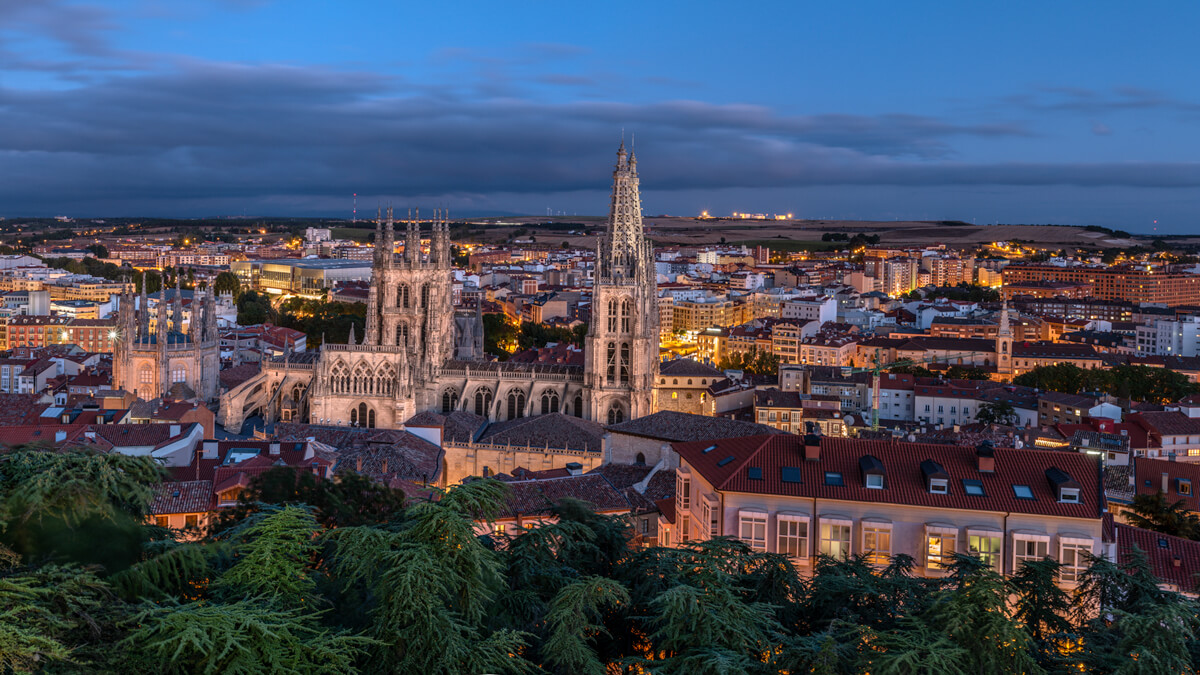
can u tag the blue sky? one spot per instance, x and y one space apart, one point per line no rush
1071 112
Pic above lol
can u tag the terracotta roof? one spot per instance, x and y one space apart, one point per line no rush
127 435
1174 560
667 507
669 425
1171 423
555 430
688 368
536 497
1148 473
232 377
727 467
193 496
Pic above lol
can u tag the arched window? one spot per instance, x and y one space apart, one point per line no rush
624 363
297 392
612 315
549 403
178 373
402 299
483 401
146 375
425 295
616 414
579 405
640 459
402 335
626 306
689 381
611 360
516 404
449 401
362 416
387 380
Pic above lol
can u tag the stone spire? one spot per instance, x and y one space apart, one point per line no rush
389 239
1005 329
177 305
623 251
412 246
143 313
351 340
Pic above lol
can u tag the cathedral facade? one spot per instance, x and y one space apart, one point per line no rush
154 360
417 356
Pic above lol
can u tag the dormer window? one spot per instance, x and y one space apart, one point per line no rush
1184 487
937 481
872 471
1066 488
875 481
1069 496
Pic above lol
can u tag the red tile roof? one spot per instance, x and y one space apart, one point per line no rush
193 496
1173 560
536 497
1148 473
726 467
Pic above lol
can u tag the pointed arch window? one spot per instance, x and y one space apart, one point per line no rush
449 401
402 297
483 401
516 404
549 403
624 363
578 405
626 312
425 296
362 416
611 361
616 414
612 315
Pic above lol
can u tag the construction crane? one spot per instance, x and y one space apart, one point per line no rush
882 367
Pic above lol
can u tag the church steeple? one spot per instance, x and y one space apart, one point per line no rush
1004 340
623 251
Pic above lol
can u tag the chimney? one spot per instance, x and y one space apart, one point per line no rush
273 448
812 448
358 464
384 471
210 450
575 468
985 455
1166 482
176 429
1178 562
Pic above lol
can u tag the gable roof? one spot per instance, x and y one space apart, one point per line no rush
669 425
726 465
1174 560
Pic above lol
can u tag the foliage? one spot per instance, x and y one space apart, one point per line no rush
254 308
319 319
497 334
336 586
536 335
228 282
754 362
997 412
1138 383
353 499
1155 512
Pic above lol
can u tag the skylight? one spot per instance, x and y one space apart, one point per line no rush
791 474
973 487
832 478
725 461
1022 492
709 449
754 473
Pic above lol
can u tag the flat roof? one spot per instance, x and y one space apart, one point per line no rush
315 263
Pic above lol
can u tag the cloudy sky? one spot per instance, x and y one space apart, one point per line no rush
1064 112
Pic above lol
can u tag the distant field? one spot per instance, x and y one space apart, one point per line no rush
793 246
355 233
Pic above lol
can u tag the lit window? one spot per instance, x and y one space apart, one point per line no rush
752 529
987 547
1185 487
877 542
835 539
939 486
940 546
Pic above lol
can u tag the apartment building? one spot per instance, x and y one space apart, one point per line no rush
804 496
1165 284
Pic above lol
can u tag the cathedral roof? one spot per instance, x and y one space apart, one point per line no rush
555 430
669 425
689 368
510 367
460 426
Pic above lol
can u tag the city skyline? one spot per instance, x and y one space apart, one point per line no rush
1073 115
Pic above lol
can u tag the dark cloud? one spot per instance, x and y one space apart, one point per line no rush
282 138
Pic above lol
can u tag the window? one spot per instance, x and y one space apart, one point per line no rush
832 478
178 373
1185 487
877 542
875 481
792 538
644 526
835 538
974 488
790 474
752 529
940 546
162 521
712 517
986 545
1073 555
1022 492
192 521
939 486
754 473
1029 548
685 529
1069 495
683 490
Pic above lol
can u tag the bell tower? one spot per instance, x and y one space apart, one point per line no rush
621 355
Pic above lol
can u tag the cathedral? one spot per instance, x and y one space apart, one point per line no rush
161 358
417 355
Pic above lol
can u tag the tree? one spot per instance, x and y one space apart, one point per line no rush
754 362
98 250
1154 512
228 282
997 412
253 309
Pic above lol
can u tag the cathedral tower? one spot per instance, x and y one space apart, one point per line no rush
621 354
